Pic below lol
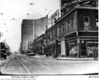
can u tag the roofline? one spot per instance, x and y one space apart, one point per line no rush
84 7
77 7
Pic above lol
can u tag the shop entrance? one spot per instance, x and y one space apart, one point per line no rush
67 49
83 48
58 48
72 49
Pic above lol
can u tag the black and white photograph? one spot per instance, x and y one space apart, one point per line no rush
49 38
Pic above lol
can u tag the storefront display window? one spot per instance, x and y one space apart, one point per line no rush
92 47
73 49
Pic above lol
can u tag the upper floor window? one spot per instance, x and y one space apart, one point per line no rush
57 31
66 26
50 35
69 24
97 21
86 23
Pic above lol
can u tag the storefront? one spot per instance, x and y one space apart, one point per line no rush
83 49
73 49
88 48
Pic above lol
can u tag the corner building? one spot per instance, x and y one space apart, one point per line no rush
76 31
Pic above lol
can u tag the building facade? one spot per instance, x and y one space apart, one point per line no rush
38 45
75 33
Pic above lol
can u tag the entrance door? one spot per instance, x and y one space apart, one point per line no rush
67 49
57 49
83 49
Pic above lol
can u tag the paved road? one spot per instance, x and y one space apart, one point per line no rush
21 64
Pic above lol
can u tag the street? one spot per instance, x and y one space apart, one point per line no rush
38 65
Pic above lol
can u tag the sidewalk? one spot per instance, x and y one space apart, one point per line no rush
65 58
76 59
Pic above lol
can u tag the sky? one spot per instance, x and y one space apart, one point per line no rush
13 11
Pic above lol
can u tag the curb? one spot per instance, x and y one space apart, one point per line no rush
77 59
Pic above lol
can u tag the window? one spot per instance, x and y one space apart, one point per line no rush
68 24
86 19
57 31
53 33
72 22
97 21
61 30
64 27
86 23
50 35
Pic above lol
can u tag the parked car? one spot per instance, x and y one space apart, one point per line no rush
32 54
29 53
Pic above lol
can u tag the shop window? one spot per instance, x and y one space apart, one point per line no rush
73 49
92 47
86 23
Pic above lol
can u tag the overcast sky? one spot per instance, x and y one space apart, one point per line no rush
13 11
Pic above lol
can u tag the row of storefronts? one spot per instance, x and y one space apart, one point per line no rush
74 34
80 47
79 40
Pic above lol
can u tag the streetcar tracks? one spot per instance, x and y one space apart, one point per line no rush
4 66
23 65
16 58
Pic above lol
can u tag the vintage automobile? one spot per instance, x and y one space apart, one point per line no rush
29 53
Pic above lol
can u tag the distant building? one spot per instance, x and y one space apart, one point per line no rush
40 26
31 29
38 45
26 33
